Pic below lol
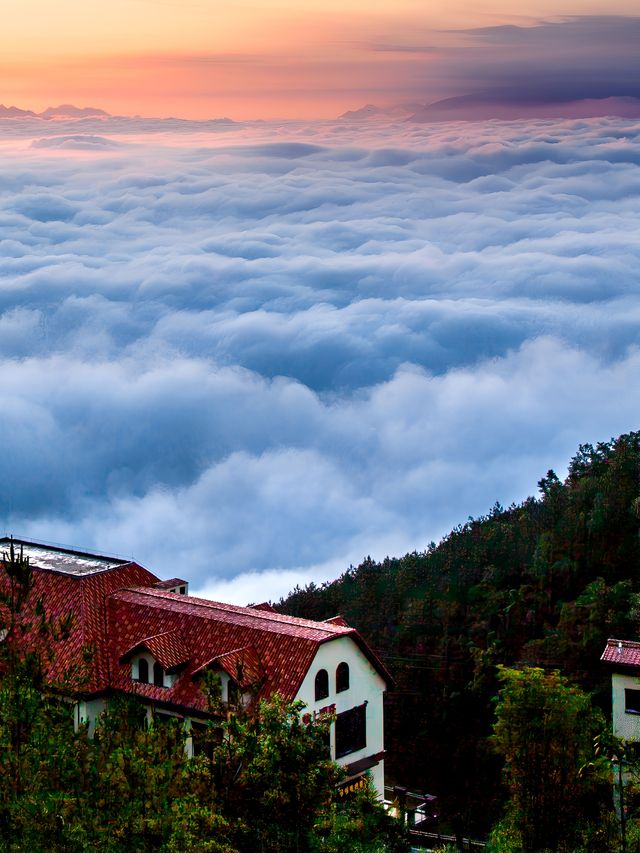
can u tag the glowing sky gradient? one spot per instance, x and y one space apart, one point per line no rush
261 59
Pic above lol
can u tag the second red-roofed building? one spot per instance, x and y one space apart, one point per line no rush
623 658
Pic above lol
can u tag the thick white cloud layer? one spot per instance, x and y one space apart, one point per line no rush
276 349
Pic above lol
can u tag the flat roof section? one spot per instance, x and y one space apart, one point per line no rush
78 563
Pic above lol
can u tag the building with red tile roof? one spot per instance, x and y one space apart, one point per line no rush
623 657
128 632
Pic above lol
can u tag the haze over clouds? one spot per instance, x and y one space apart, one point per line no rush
308 60
276 349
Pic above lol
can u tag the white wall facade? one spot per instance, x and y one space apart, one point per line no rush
365 685
87 712
625 724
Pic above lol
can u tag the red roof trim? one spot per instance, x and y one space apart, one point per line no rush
622 653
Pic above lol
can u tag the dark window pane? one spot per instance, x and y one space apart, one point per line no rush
632 701
204 738
342 677
322 684
143 671
158 675
232 692
351 730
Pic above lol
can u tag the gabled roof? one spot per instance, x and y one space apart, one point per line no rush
167 648
622 653
242 665
277 649
81 658
117 607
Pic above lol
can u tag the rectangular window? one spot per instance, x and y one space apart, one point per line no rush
205 738
632 701
351 730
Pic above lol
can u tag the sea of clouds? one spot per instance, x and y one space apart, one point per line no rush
250 355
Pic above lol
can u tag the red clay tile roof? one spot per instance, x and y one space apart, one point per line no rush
167 648
170 584
622 652
82 657
243 665
120 608
284 646
336 620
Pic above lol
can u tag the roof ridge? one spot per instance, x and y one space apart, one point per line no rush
239 609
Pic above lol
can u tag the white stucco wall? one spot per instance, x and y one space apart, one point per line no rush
88 712
625 725
365 685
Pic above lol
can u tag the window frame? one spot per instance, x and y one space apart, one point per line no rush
343 677
158 674
321 685
351 730
632 696
143 662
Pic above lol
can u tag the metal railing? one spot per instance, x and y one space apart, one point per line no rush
433 840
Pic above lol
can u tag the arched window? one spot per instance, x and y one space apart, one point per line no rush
322 684
342 677
143 671
158 675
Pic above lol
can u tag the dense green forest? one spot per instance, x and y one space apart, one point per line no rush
540 584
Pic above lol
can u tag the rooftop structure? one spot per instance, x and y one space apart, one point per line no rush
57 559
132 633
622 653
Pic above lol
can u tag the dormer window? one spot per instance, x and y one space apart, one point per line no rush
146 670
143 671
158 660
158 675
322 684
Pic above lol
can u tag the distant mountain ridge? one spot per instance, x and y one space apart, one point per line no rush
491 105
371 111
63 111
497 105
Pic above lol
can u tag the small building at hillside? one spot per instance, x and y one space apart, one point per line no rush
623 657
132 633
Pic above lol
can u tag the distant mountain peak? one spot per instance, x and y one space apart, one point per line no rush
15 112
371 111
71 111
63 111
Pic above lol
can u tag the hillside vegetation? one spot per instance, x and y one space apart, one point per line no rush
542 583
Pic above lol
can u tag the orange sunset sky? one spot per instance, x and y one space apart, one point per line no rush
259 59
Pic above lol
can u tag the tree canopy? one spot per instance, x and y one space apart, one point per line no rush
542 583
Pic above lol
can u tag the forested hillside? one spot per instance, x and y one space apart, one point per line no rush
542 583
